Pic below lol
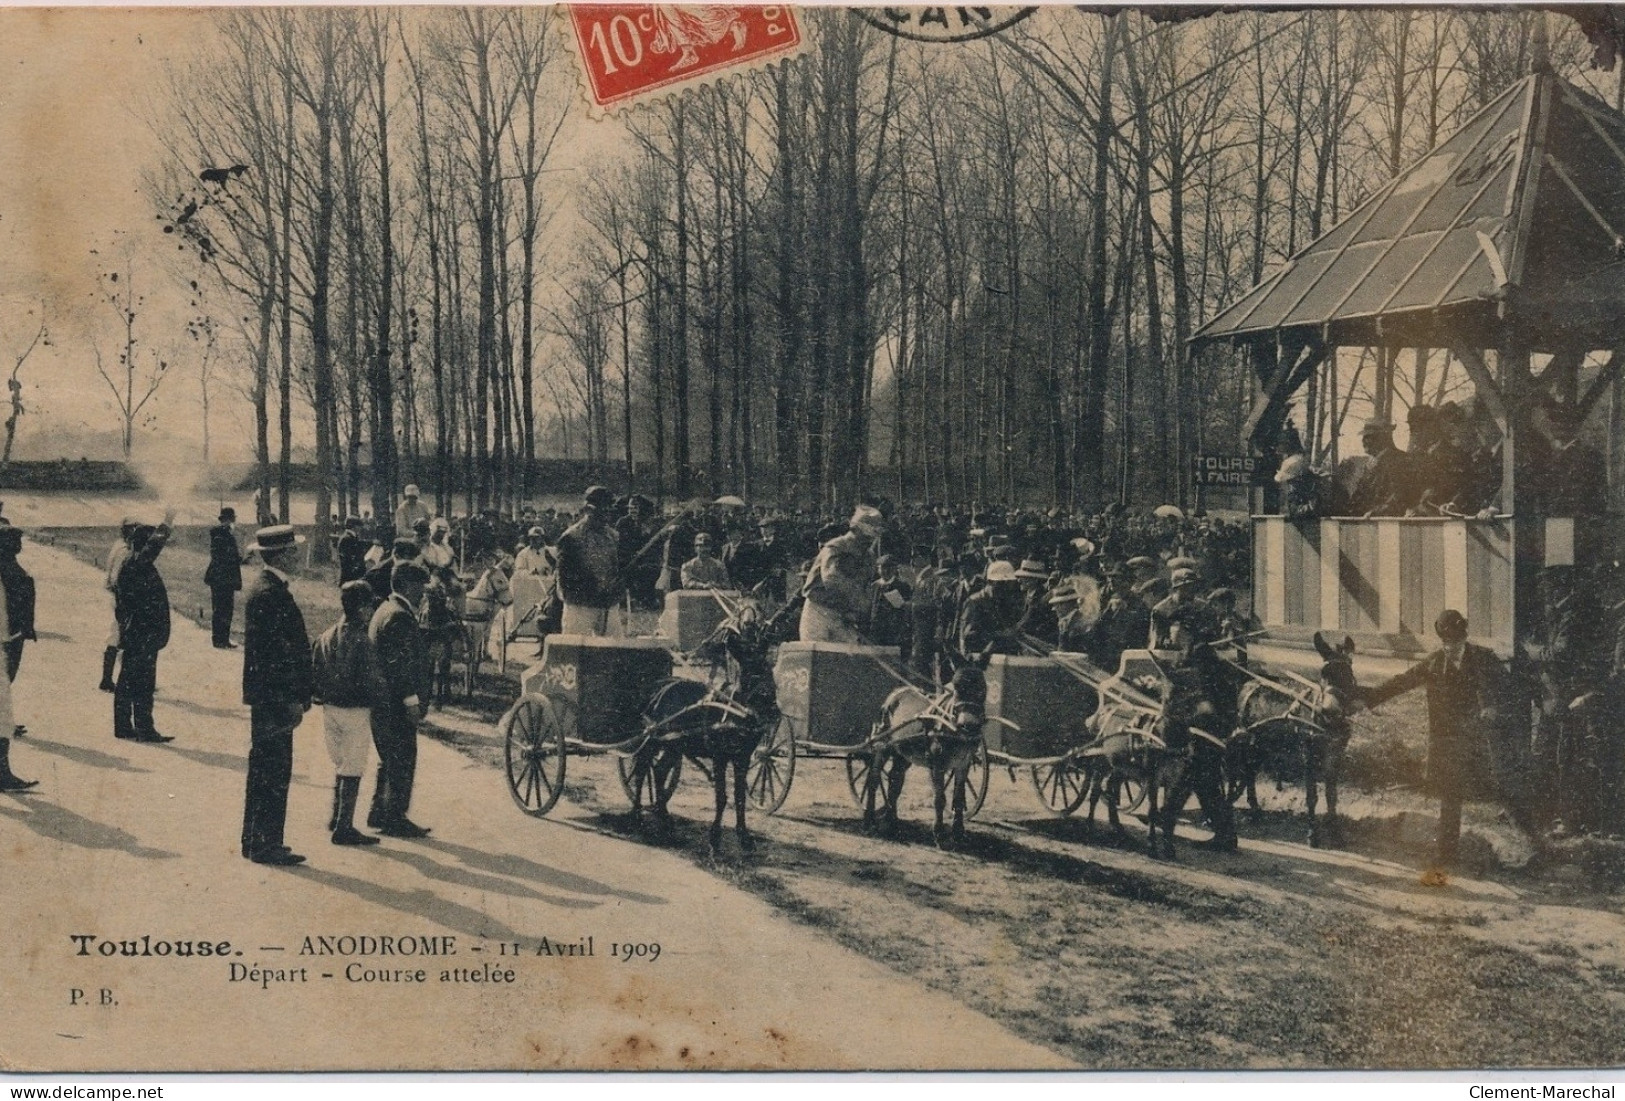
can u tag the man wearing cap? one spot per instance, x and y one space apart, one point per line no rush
224 577
889 597
410 510
398 675
1387 488
277 690
1209 685
1466 687
1174 621
991 620
352 552
589 570
705 570
379 577
437 553
632 534
342 673
837 584
141 602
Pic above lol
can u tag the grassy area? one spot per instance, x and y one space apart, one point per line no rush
182 565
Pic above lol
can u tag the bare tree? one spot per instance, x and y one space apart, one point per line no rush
14 386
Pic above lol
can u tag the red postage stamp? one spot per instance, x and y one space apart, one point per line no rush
629 51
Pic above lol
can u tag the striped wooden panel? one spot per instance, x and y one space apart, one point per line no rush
1357 574
1422 570
1490 580
1385 580
1301 562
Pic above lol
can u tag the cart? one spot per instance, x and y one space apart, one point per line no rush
586 698
1126 723
1039 707
829 695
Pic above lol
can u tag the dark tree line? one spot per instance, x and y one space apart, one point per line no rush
962 273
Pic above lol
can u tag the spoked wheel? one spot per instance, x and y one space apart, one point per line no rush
1127 792
772 768
857 778
657 784
472 653
1063 786
976 781
533 734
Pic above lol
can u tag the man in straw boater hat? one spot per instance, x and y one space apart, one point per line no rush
837 585
991 620
277 690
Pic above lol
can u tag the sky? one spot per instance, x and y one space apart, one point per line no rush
75 88
79 90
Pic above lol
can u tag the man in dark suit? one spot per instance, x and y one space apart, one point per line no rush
397 646
141 607
277 690
1389 486
224 576
352 551
1465 685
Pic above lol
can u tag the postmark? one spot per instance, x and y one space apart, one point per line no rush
630 53
944 24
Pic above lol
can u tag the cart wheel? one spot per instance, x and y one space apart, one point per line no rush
661 781
533 732
772 768
857 776
976 781
1127 792
1062 787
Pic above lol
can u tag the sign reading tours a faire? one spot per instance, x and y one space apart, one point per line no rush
1225 470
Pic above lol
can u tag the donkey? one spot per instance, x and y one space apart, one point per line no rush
941 733
716 725
1310 728
1148 746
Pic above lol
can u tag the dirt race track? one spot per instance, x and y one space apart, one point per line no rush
1279 956
1040 944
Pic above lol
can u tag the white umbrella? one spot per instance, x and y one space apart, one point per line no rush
1168 512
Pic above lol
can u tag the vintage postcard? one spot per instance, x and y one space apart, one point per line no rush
704 537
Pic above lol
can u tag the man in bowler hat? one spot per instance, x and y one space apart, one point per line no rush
1466 688
399 662
277 689
224 577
